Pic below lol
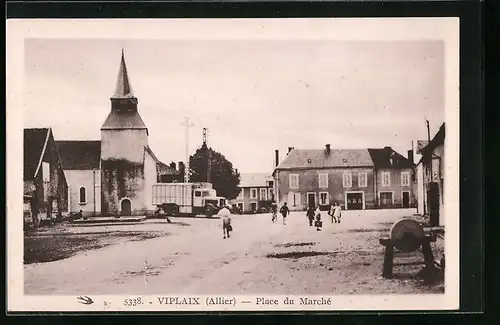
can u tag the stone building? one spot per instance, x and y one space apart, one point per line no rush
45 188
357 179
256 193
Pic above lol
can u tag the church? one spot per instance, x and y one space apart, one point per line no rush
114 176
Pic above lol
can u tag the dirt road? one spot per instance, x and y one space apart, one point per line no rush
260 257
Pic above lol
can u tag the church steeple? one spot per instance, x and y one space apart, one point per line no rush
124 114
123 97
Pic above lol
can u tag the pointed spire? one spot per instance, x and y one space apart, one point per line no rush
123 88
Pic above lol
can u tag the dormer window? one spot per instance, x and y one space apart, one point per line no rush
344 161
309 160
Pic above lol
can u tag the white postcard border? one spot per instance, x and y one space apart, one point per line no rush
446 29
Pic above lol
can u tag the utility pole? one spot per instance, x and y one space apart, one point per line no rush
208 153
430 153
188 125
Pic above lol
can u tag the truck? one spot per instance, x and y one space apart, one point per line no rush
187 199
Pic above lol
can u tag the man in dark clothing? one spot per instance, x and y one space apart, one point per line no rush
274 211
310 215
284 212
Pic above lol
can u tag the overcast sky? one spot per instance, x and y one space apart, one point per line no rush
254 96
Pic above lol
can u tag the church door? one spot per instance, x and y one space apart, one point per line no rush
126 207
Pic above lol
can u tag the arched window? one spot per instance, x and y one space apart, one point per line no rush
83 195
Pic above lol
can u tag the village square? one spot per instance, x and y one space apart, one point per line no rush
109 216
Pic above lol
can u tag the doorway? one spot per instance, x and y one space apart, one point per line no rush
126 207
253 207
406 199
311 200
354 201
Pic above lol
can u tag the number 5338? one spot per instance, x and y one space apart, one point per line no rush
133 302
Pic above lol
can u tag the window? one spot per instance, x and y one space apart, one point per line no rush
347 180
293 199
263 194
386 179
83 195
197 194
362 180
323 198
253 193
323 180
405 178
270 194
386 198
294 181
241 194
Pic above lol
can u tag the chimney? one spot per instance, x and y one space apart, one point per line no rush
328 149
277 158
236 171
173 165
290 149
410 156
387 148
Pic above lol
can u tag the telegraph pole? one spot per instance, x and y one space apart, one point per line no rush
93 174
430 153
187 123
209 154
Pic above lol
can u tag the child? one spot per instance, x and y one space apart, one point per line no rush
319 223
331 212
284 212
338 212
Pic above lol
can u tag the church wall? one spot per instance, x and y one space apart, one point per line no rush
125 144
84 178
122 165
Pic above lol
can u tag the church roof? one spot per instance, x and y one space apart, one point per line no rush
123 87
123 120
79 155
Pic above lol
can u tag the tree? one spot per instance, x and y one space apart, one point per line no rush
224 178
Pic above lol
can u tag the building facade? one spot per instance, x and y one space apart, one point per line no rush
356 179
256 193
45 194
431 178
395 180
81 164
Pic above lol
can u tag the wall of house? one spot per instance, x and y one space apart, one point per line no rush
149 180
50 200
123 170
396 187
245 199
309 183
84 178
420 193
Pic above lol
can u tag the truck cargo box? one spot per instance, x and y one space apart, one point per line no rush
176 193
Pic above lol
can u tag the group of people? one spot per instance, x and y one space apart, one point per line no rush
313 215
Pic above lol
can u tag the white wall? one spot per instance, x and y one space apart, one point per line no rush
149 180
420 189
123 144
77 179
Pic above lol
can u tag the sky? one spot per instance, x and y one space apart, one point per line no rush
254 96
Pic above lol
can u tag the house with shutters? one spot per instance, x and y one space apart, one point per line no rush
394 178
256 192
322 176
45 187
357 179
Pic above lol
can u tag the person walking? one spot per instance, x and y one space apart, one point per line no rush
310 215
318 222
331 213
225 214
337 214
285 211
274 211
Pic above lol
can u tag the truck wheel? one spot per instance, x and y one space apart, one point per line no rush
209 211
